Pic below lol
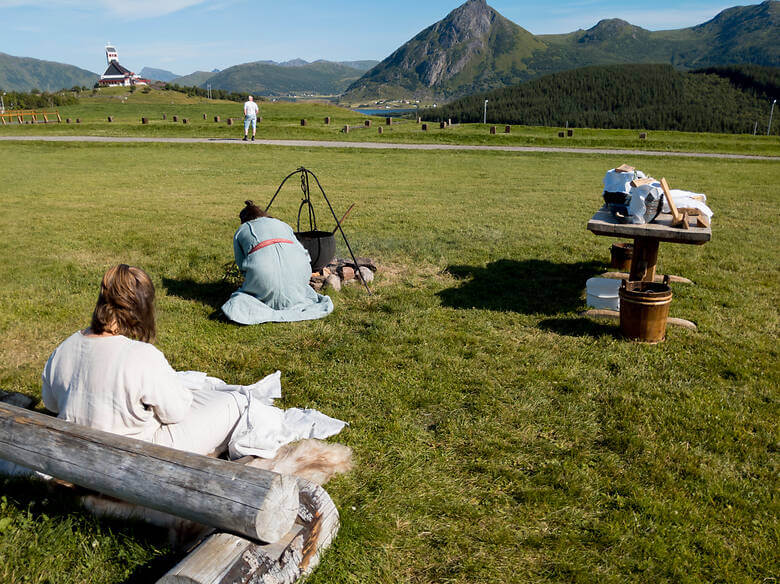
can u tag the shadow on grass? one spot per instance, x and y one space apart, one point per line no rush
528 286
212 294
46 500
581 327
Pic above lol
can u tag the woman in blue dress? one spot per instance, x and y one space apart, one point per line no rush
276 269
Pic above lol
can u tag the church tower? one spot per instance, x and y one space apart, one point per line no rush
111 54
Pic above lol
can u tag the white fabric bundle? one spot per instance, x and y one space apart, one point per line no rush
263 428
619 182
683 199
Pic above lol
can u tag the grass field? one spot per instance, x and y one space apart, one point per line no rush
282 120
499 437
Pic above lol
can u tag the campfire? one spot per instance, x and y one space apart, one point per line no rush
340 272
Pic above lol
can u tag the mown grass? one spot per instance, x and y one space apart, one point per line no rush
499 437
282 120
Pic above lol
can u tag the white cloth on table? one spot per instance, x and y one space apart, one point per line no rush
619 182
684 199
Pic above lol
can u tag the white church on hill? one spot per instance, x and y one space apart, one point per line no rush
116 74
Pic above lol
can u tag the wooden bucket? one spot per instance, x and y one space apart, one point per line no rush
621 254
644 308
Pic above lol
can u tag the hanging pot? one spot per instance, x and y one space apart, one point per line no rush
321 246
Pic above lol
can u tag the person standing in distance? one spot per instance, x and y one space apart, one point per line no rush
250 117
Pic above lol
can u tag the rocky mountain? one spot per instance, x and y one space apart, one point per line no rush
24 74
475 49
157 74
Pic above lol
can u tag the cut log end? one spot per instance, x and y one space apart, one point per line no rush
279 509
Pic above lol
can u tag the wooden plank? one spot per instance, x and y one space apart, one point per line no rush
615 315
640 182
659 278
253 502
605 223
678 219
228 559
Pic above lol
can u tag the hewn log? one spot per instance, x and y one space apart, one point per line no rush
425 127
327 120
389 121
110 118
381 129
228 559
303 122
255 503
615 315
144 120
507 129
367 123
442 125
492 129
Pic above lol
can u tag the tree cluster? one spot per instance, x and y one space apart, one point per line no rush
193 91
653 97
36 99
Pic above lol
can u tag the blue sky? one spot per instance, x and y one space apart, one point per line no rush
187 35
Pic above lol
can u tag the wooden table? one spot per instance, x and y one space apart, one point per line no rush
646 238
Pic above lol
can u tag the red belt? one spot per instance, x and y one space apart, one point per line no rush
268 242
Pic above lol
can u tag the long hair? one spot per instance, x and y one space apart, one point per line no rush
125 305
250 212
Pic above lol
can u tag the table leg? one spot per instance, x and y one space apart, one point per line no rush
644 259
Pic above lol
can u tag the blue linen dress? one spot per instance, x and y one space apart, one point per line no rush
276 277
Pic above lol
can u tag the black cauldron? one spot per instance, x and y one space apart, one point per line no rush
321 246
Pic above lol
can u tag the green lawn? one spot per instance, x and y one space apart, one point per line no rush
282 120
499 437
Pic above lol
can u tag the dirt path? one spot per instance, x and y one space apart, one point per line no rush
385 146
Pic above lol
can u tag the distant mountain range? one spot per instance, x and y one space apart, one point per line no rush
291 77
473 49
157 74
25 74
476 49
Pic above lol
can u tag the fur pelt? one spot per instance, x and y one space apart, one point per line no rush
311 459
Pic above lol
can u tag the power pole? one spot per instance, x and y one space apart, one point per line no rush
484 115
771 111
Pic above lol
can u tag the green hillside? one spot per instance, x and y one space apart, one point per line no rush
263 78
25 74
193 79
654 97
475 49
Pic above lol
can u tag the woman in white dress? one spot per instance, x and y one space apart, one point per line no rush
111 377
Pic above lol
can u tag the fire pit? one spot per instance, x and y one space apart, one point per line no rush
320 244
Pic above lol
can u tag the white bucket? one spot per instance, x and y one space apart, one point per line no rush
603 293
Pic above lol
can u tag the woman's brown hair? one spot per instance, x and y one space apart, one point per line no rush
250 212
125 305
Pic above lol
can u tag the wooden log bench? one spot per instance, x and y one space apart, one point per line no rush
269 528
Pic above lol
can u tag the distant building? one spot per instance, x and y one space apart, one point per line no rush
116 74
